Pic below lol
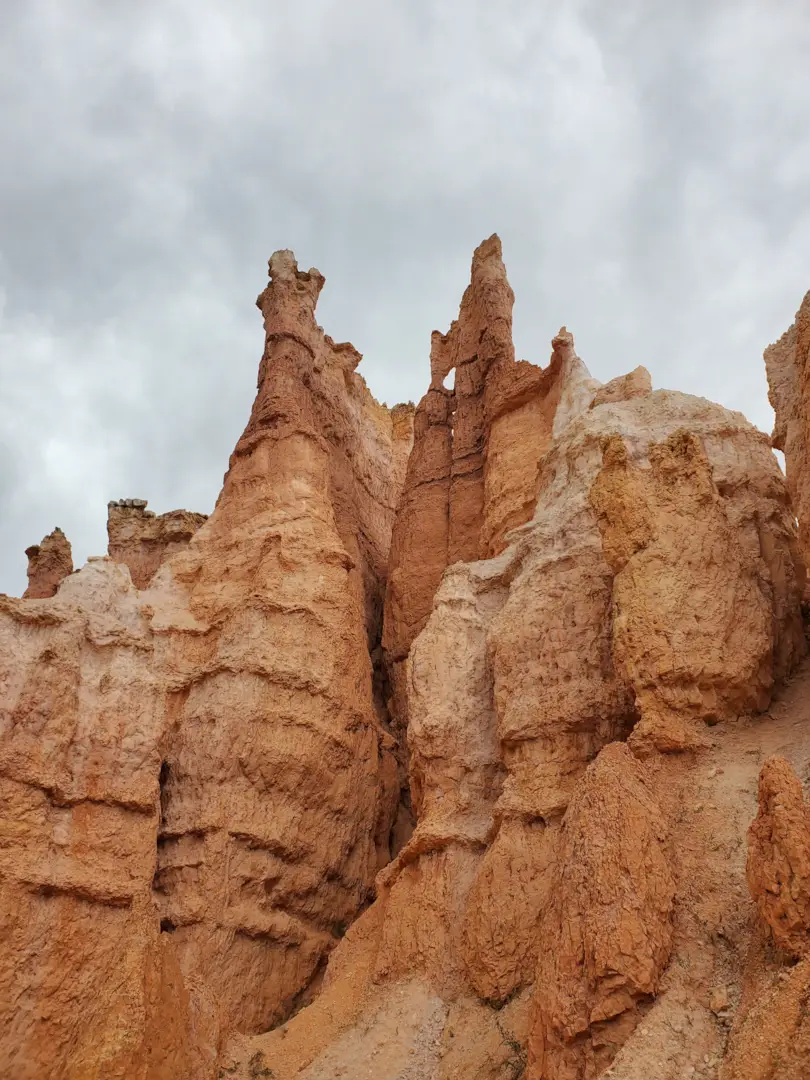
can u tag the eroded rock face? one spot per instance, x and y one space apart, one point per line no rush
442 512
778 869
539 871
771 1037
199 780
88 985
143 541
280 785
787 363
693 630
636 383
205 788
474 472
49 563
773 1040
606 929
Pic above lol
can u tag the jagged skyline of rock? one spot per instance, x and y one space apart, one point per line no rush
640 163
430 753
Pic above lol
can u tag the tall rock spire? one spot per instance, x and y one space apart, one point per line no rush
201 769
473 475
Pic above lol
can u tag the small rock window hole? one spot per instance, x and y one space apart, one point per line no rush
449 380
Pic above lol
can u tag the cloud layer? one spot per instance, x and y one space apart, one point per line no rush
646 165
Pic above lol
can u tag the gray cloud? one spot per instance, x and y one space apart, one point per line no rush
646 165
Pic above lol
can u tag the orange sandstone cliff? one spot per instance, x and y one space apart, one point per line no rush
457 744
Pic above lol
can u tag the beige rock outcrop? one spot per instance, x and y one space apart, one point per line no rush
89 987
143 541
787 363
199 784
778 868
636 383
49 563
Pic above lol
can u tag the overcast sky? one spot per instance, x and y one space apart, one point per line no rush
647 165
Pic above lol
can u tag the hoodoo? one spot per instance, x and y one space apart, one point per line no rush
457 743
199 780
49 563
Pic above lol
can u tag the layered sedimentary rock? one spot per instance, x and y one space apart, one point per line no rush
142 540
590 595
88 985
650 591
473 473
49 563
787 363
198 783
280 788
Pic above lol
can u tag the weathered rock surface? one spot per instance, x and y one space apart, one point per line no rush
778 869
199 784
88 985
280 786
773 1040
474 472
787 363
49 563
608 917
690 646
652 592
143 541
573 601
636 383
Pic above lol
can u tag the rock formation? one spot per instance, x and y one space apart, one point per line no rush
199 784
49 563
779 857
143 541
430 754
279 785
771 1040
88 985
473 473
651 592
787 363
689 646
